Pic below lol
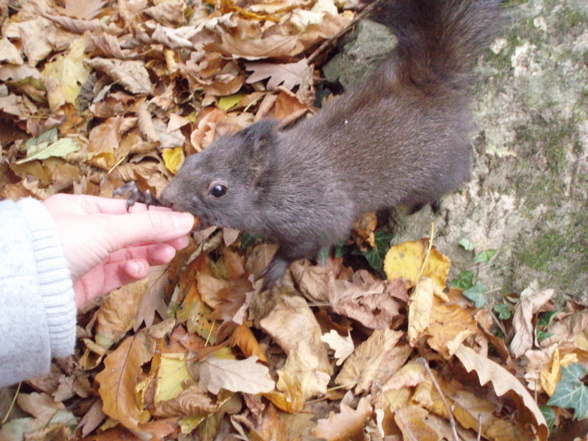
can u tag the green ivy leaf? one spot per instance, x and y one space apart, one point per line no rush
466 244
542 335
570 392
503 311
546 318
476 294
248 239
464 281
549 415
484 256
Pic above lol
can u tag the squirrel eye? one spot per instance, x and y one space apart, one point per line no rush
218 190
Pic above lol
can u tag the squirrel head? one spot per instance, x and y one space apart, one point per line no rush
222 185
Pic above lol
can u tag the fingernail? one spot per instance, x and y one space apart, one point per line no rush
183 221
137 267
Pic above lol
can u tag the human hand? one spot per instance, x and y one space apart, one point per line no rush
106 247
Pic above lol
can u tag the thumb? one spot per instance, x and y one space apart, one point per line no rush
149 226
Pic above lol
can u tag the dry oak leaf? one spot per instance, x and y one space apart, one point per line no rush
307 369
406 260
132 75
370 301
503 382
289 74
120 376
343 346
344 426
522 320
361 368
245 376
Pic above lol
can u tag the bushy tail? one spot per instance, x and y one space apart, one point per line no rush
438 39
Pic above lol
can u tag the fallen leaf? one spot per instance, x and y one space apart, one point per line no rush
288 75
246 376
406 260
118 379
503 382
343 346
530 302
307 370
344 426
361 367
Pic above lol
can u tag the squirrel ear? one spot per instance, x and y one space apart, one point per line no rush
259 143
259 137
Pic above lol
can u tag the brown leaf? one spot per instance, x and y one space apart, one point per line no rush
522 319
117 314
272 428
345 426
503 382
307 370
244 338
132 75
289 75
361 368
235 375
120 376
191 401
83 9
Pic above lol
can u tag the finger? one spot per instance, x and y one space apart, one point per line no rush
108 277
154 254
146 227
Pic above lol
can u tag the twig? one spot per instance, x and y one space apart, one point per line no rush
428 251
365 11
423 362
11 405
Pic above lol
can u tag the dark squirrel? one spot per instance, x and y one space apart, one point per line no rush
400 139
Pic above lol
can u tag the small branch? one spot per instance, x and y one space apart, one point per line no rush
424 363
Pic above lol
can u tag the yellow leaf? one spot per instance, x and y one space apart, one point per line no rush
228 102
120 377
173 374
405 261
70 73
173 159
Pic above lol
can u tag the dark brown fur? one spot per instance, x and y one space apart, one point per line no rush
401 139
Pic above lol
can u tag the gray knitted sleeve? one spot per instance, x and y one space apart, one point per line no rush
37 309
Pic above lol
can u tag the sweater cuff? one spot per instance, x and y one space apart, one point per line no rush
55 284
